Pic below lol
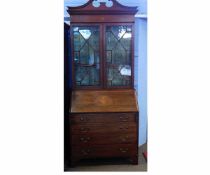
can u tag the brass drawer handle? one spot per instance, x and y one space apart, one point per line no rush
83 139
84 129
86 152
124 139
124 119
83 119
125 128
125 150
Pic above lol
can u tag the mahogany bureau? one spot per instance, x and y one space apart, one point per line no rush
103 116
104 124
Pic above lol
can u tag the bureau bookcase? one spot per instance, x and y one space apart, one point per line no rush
103 115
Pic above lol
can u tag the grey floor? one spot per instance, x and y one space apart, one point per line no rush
112 164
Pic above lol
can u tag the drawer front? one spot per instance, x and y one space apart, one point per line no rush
102 118
125 150
104 139
96 128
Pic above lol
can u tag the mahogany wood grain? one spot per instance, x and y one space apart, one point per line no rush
118 150
104 139
102 118
104 101
102 19
101 128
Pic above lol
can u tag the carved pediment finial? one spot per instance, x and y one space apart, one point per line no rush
97 3
102 7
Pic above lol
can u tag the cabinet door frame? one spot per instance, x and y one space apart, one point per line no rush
131 86
74 86
102 42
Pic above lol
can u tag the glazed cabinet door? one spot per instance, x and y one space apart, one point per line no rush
86 56
118 56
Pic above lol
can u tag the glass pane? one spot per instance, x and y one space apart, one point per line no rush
118 31
78 41
86 56
118 55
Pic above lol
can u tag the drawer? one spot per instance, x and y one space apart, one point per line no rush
102 118
125 150
92 128
104 139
